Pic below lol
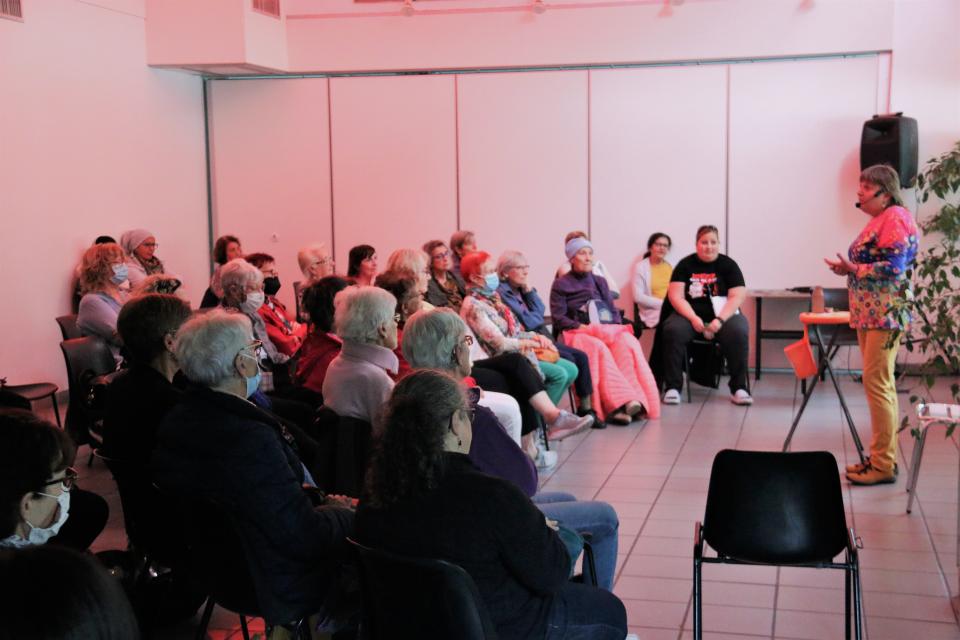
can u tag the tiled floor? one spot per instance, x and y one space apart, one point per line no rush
656 477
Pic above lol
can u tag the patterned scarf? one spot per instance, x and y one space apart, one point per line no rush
505 312
151 266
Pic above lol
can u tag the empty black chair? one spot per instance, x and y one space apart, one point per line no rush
420 598
777 509
68 327
33 392
86 359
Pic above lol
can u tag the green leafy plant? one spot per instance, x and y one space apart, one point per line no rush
934 305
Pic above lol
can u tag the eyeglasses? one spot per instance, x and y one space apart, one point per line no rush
521 267
257 347
397 317
149 245
441 256
69 479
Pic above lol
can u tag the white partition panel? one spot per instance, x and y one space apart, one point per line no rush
270 148
657 161
523 164
394 162
794 162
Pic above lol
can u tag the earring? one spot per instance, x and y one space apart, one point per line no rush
459 442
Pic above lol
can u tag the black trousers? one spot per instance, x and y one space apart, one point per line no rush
734 339
512 373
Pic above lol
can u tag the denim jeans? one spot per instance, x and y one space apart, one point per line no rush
596 518
582 612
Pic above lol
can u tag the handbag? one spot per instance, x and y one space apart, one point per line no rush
550 356
800 355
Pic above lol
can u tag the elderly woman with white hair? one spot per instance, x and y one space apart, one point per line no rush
315 262
582 308
140 246
357 383
217 446
242 285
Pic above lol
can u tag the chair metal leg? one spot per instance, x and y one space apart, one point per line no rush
243 627
857 603
56 409
697 600
848 599
915 468
205 619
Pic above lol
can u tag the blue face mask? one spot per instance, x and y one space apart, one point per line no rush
252 383
491 281
120 274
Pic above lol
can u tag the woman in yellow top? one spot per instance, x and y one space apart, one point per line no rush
651 279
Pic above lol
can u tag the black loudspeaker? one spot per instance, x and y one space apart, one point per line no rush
891 139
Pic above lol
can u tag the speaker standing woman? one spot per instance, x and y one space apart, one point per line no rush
876 268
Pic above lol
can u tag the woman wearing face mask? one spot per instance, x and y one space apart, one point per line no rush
217 445
243 291
284 331
704 298
37 492
140 246
651 279
102 272
498 330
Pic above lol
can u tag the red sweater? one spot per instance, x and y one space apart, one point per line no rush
316 354
285 333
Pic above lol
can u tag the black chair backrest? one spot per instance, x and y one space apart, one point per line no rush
775 508
354 444
407 597
86 358
68 327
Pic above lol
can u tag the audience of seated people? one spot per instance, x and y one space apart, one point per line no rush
706 291
321 345
206 439
284 331
225 249
445 288
426 498
216 446
140 247
358 380
103 270
651 279
582 308
498 330
526 304
597 267
39 500
362 265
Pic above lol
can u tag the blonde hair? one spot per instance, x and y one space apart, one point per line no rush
885 177
413 260
306 256
96 268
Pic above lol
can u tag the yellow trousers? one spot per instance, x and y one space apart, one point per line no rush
881 389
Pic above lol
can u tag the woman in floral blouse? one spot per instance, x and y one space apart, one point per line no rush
876 268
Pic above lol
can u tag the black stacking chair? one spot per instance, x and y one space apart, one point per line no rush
86 358
783 509
68 327
445 602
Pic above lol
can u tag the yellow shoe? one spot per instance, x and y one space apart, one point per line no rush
870 476
860 467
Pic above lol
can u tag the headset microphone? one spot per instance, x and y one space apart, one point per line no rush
878 193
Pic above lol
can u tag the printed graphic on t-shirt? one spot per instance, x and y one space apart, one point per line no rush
703 284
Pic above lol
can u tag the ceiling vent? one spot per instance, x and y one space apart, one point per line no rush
11 9
269 7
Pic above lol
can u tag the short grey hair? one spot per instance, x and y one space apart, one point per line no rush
240 272
359 312
429 338
208 343
509 260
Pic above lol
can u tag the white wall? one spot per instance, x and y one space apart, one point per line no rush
91 142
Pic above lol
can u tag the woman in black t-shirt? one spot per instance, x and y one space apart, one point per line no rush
704 298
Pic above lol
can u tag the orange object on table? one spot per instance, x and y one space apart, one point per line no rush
830 317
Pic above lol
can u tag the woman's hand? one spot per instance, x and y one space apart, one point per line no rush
714 326
841 266
697 324
553 524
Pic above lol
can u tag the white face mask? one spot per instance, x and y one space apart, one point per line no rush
40 535
253 302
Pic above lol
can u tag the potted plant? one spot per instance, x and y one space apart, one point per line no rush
934 305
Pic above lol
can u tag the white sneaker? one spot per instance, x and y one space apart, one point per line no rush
672 396
546 460
741 397
567 424
632 636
